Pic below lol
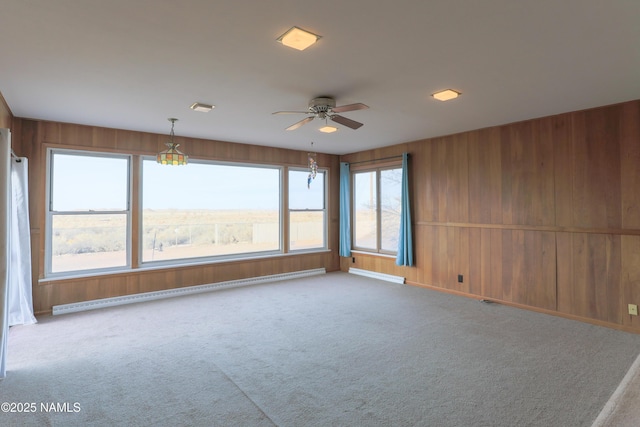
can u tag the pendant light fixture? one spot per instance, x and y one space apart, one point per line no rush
172 156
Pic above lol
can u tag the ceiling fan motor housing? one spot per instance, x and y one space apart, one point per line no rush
321 105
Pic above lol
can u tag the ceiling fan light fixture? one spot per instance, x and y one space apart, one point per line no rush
203 108
328 129
446 95
298 38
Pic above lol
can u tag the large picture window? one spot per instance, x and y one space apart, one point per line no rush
307 210
376 209
209 210
202 212
88 213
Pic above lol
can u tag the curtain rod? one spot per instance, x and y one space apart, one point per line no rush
13 154
376 160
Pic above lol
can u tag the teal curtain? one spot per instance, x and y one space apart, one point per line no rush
405 239
345 211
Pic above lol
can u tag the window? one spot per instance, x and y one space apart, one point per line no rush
209 209
307 210
88 212
376 209
201 212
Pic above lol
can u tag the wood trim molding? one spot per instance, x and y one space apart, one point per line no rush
596 322
559 229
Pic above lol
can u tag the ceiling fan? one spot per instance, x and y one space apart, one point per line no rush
325 108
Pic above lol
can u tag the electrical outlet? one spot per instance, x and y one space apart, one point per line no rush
460 278
633 309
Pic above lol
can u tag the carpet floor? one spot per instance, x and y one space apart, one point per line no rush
328 350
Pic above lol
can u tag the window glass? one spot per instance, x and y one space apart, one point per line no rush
303 195
87 242
84 183
307 213
376 208
88 216
390 203
365 209
208 210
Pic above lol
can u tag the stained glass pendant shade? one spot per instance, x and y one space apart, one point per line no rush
172 156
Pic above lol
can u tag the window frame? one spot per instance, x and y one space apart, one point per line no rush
377 169
325 201
50 213
133 216
211 258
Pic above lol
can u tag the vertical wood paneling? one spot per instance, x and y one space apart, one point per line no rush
538 285
478 256
462 260
495 287
629 165
440 257
589 284
50 132
424 254
81 136
485 177
558 130
564 275
449 179
450 261
439 178
6 118
506 182
522 210
509 264
596 182
528 268
458 165
630 279
528 175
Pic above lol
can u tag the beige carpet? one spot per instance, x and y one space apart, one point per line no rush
336 349
623 409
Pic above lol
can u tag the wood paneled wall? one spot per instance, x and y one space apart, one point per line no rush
5 114
31 139
543 214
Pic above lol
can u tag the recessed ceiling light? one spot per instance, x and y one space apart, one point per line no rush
445 95
203 108
298 38
328 129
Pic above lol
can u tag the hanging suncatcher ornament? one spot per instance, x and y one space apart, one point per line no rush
313 167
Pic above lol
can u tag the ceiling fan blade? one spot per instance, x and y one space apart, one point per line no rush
350 107
347 122
300 123
290 112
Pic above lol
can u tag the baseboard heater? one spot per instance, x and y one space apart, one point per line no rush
376 275
169 293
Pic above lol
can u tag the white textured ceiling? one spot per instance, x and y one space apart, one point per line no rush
131 64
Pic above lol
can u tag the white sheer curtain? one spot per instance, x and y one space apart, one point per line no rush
5 203
20 293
